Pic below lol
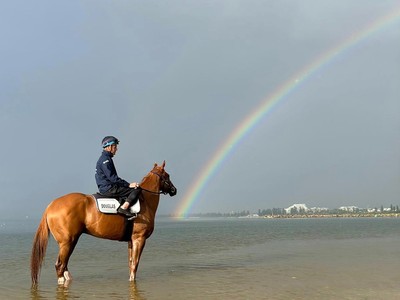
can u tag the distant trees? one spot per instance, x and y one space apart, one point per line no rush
294 211
271 212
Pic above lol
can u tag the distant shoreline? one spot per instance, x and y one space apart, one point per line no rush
395 215
295 216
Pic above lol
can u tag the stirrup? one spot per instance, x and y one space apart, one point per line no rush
133 217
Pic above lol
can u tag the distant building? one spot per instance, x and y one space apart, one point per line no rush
318 209
349 208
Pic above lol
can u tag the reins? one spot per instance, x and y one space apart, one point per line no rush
152 192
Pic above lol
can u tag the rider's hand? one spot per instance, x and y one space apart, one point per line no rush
134 185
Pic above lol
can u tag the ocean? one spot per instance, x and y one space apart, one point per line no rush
221 258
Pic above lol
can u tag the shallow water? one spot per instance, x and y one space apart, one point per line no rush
219 259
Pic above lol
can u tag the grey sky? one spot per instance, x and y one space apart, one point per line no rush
172 79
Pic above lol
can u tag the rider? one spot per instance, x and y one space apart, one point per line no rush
108 182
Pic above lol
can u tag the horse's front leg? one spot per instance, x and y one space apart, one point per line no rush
135 246
130 256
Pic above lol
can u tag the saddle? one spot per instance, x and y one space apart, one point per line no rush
110 205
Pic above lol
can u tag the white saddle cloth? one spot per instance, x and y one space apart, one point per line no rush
110 206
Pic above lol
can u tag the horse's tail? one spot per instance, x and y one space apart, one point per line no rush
39 249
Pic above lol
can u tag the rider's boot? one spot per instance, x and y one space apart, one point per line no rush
125 212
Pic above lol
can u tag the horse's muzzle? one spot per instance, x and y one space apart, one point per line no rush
172 191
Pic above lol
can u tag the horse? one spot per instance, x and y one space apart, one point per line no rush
71 215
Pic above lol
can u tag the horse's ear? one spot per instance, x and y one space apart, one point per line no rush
163 164
155 165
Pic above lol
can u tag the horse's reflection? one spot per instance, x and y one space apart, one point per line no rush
64 292
135 292
35 295
61 293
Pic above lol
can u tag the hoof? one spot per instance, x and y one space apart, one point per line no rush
66 279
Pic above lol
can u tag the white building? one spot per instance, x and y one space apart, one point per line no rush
318 209
349 208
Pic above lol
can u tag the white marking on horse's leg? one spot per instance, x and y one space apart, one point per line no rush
67 275
132 277
65 280
68 278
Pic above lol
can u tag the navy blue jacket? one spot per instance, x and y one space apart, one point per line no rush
106 174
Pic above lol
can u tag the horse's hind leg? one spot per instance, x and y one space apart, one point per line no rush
66 249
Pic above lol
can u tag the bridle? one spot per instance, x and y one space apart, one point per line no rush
163 183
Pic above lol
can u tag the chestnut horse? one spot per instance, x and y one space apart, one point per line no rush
71 215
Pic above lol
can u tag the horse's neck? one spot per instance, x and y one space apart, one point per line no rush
150 200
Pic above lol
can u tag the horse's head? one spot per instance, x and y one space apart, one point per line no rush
166 186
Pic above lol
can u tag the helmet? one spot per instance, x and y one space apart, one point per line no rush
109 140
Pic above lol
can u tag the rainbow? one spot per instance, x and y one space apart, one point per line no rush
269 104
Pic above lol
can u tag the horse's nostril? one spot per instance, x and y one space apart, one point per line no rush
173 191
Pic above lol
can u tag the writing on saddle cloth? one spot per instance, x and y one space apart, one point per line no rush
110 205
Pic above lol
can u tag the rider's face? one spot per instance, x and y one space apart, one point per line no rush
113 149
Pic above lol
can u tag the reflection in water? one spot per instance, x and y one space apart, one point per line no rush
35 293
135 293
63 292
